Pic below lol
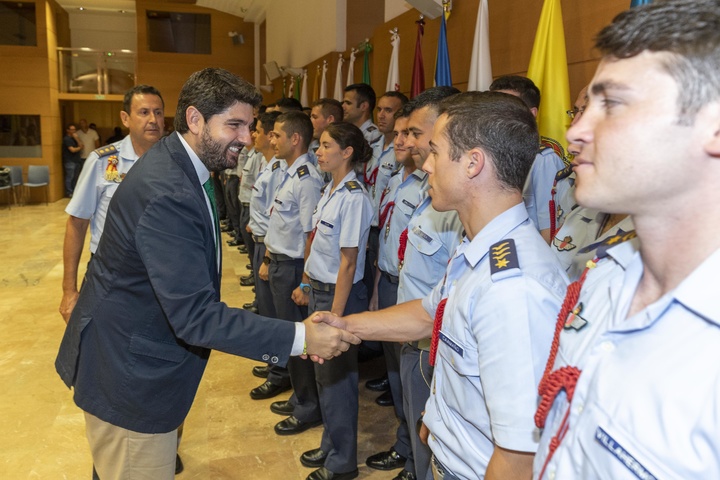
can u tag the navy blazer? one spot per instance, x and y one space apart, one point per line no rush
149 312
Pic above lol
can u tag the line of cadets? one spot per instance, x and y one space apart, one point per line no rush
302 226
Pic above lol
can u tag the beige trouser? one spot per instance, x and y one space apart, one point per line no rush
120 454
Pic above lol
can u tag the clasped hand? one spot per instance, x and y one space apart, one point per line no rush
325 337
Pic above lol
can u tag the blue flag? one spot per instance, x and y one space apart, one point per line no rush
442 64
636 3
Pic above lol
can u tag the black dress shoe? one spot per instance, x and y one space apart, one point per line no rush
385 400
267 390
249 266
323 473
248 281
233 243
381 384
225 228
243 249
260 371
313 458
292 426
178 464
405 475
386 460
282 408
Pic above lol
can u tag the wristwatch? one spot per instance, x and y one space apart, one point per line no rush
266 260
305 287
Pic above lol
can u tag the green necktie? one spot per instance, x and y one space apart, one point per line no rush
208 186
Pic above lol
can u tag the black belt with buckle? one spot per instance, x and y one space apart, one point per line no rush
390 278
322 287
279 257
257 239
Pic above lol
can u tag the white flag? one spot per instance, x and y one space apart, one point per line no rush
393 80
351 67
303 90
323 82
291 87
338 95
480 68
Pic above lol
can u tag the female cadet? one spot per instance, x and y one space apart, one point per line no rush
334 269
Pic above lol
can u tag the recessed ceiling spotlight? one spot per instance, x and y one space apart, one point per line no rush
81 8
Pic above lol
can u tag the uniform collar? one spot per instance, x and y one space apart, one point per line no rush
127 149
299 162
694 291
351 176
493 232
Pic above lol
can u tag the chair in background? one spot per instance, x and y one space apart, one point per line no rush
39 176
16 178
9 189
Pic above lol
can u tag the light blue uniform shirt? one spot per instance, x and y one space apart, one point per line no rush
564 198
432 237
494 342
382 162
342 220
580 230
252 168
406 195
291 213
93 191
538 186
647 401
263 194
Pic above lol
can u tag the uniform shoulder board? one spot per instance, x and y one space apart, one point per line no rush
603 246
504 260
106 150
564 173
547 143
352 185
275 166
322 189
396 171
303 171
378 139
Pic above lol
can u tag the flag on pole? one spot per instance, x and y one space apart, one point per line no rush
284 87
338 95
637 3
351 67
304 90
443 78
291 87
316 85
366 62
323 82
548 69
296 91
393 80
480 67
418 72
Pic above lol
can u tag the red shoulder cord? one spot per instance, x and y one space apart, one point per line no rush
370 180
553 212
563 378
437 325
402 247
386 213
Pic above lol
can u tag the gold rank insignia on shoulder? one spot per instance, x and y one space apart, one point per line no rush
603 246
303 171
564 173
503 257
352 185
275 166
106 150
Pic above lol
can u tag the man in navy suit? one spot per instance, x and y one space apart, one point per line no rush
139 338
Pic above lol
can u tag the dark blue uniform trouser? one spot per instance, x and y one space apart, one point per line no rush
416 376
337 385
284 277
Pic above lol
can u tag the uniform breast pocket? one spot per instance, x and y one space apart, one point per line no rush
327 229
405 207
285 208
461 356
424 242
258 190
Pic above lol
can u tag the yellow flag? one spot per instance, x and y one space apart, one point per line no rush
548 69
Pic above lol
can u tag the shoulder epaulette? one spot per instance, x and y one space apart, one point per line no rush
352 185
322 189
548 143
604 245
303 171
378 139
564 173
106 150
395 172
504 259
275 166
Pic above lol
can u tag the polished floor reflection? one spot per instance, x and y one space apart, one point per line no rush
227 435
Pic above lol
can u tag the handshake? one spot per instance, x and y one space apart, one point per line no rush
326 336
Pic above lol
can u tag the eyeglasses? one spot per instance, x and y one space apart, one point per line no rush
575 112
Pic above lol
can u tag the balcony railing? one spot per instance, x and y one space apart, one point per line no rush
89 71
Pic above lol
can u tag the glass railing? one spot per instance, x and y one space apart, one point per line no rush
85 70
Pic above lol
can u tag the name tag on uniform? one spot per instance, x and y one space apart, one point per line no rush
451 343
278 202
409 204
418 231
329 225
623 455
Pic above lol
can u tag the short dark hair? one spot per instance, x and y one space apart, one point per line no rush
688 31
212 91
297 122
393 94
71 124
268 120
526 88
364 93
140 90
330 106
348 135
287 104
430 98
498 123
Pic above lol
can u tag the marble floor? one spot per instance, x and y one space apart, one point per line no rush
227 435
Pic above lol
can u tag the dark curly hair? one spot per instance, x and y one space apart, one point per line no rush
348 135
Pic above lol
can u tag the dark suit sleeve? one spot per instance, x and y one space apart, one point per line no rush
176 245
